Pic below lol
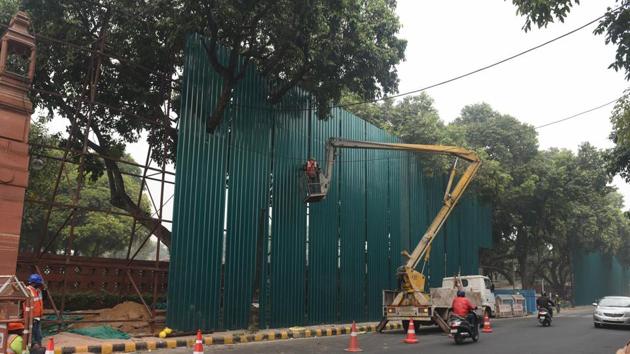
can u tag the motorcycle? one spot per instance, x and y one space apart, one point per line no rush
462 329
544 317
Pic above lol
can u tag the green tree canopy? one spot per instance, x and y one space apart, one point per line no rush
322 46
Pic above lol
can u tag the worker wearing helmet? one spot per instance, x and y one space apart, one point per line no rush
35 285
463 308
312 173
15 341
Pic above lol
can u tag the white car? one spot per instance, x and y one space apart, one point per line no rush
612 310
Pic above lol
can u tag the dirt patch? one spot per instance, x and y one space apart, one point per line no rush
135 313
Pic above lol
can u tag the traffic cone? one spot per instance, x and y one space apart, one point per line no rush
198 348
354 341
411 333
50 348
487 328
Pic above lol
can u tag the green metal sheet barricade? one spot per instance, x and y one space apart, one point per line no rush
247 250
596 275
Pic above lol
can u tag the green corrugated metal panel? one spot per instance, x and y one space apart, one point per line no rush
323 295
399 216
369 201
417 198
439 249
248 186
288 239
194 270
377 210
597 275
454 243
352 228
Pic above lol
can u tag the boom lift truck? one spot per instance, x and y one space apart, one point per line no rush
410 301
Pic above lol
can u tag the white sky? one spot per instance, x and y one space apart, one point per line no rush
450 37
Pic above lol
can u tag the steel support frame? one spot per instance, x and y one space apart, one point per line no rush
75 208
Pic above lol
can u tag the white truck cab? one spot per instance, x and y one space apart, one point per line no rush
476 283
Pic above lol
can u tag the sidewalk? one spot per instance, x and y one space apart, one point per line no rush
67 343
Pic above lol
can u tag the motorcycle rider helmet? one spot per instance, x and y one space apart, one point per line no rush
36 279
461 293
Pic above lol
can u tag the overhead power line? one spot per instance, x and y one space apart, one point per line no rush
484 67
579 114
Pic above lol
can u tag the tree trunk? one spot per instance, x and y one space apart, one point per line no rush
522 253
120 199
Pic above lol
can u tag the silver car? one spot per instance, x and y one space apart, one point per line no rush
612 310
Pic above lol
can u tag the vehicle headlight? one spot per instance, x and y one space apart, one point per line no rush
598 313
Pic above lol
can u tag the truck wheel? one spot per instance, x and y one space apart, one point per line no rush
416 325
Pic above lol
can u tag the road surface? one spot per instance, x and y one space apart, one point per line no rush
570 333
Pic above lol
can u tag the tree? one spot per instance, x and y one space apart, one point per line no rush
322 46
96 234
509 150
619 156
615 25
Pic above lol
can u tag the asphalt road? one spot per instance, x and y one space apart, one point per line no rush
570 333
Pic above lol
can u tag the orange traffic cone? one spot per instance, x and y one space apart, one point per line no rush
487 328
411 334
50 348
354 341
198 348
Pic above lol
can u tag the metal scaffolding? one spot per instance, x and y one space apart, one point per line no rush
79 133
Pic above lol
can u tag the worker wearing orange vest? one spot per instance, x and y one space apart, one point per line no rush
312 173
35 284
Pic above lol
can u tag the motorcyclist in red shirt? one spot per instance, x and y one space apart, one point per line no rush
463 308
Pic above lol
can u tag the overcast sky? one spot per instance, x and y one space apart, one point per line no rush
450 37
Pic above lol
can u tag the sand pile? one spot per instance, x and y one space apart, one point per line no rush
128 310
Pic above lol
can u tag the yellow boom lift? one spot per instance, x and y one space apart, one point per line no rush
410 300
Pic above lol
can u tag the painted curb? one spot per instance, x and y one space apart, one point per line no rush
129 347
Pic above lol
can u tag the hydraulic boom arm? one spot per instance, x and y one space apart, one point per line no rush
412 282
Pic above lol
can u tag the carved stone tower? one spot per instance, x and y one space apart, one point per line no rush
17 67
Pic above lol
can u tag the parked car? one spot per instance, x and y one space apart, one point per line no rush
612 310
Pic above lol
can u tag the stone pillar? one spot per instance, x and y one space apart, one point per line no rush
17 68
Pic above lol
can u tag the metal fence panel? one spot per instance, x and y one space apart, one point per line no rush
195 260
351 167
398 189
329 269
288 226
597 275
323 271
377 215
248 186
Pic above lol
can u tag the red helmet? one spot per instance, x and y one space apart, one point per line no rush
15 326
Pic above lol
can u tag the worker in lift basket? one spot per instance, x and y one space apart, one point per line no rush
35 285
463 308
312 174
